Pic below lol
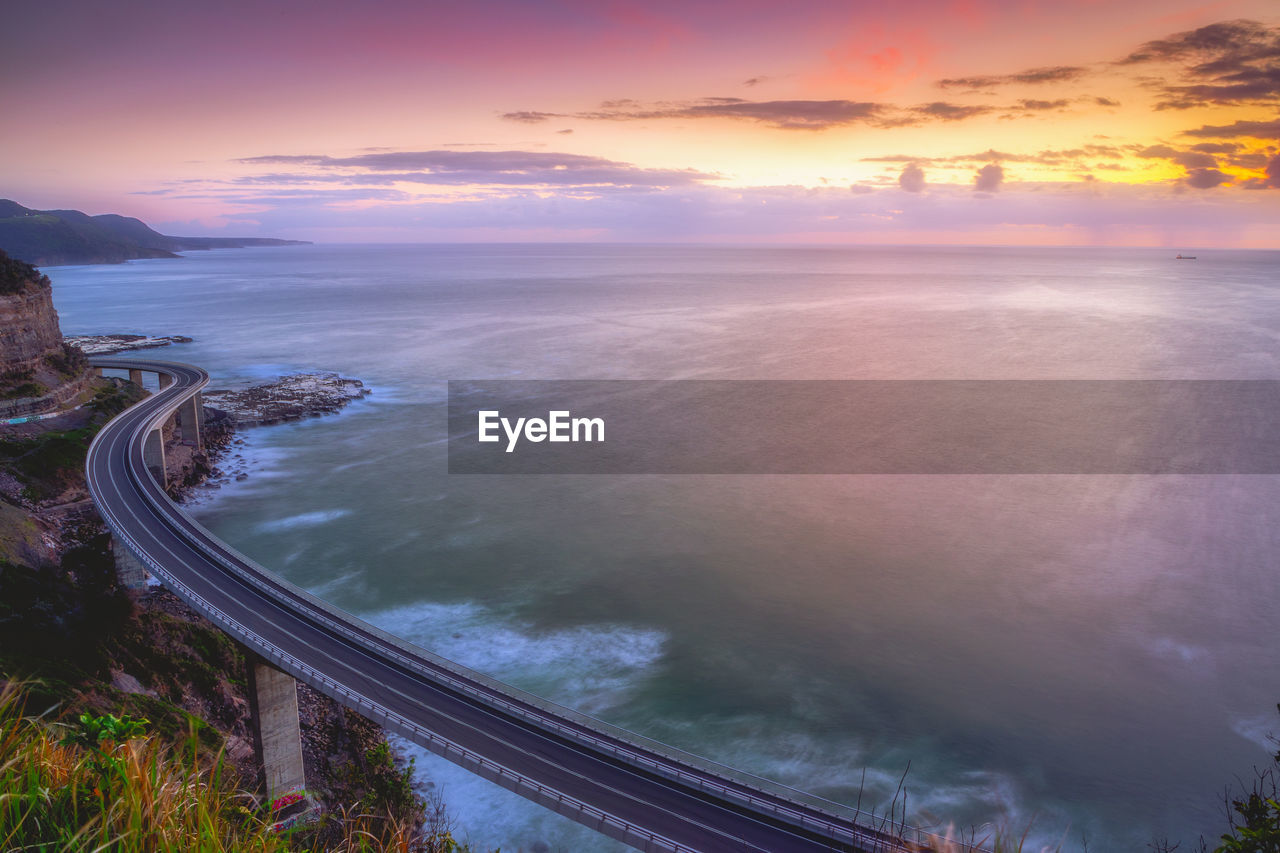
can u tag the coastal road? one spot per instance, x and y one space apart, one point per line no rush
641 792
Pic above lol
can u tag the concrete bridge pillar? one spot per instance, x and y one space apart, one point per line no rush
273 704
135 376
153 456
130 573
189 417
165 381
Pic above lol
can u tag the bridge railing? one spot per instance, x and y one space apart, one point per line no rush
842 823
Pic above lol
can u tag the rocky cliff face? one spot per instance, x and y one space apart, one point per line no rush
37 371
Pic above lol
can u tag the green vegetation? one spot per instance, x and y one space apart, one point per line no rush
1255 815
48 464
102 782
143 702
69 363
17 275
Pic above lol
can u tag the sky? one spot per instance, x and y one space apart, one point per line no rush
1072 122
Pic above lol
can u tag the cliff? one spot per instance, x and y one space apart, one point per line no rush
53 237
40 372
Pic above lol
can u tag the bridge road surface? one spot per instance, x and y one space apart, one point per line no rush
648 797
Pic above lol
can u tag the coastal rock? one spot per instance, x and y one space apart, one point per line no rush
289 398
112 344
39 372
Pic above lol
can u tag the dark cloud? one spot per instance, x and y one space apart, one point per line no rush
1201 166
1273 173
1213 47
807 115
1235 130
1216 147
1195 160
951 112
1152 152
786 115
530 116
1203 179
1031 104
1230 62
991 155
989 178
459 168
1105 102
565 132
912 178
1034 76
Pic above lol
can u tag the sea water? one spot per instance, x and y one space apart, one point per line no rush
1090 655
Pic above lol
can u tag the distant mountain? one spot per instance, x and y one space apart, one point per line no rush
53 237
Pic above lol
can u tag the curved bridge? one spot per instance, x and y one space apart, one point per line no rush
640 792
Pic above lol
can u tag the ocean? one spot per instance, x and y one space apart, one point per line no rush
1089 655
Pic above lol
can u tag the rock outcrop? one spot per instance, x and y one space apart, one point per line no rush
38 372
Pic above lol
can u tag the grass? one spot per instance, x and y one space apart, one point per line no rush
104 783
62 792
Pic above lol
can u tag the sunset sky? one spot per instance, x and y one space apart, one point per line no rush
1147 122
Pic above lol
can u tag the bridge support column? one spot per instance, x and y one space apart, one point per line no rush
189 417
130 573
135 376
153 456
273 704
165 381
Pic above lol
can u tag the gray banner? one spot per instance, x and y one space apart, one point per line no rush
864 427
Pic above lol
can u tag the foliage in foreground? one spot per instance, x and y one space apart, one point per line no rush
1255 815
103 783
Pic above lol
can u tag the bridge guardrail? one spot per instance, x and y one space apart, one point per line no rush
790 804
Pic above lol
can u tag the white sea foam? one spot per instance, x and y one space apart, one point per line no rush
304 519
591 668
588 667
1170 649
1262 730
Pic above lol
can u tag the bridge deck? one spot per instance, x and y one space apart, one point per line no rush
645 794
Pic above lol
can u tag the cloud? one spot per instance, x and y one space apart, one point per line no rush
1187 159
1229 62
951 112
1031 104
989 178
1216 147
790 115
530 116
1032 76
1203 179
912 178
462 168
1214 46
1235 130
1059 212
1105 102
1048 157
1273 173
785 115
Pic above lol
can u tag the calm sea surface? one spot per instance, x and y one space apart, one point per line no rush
1097 654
